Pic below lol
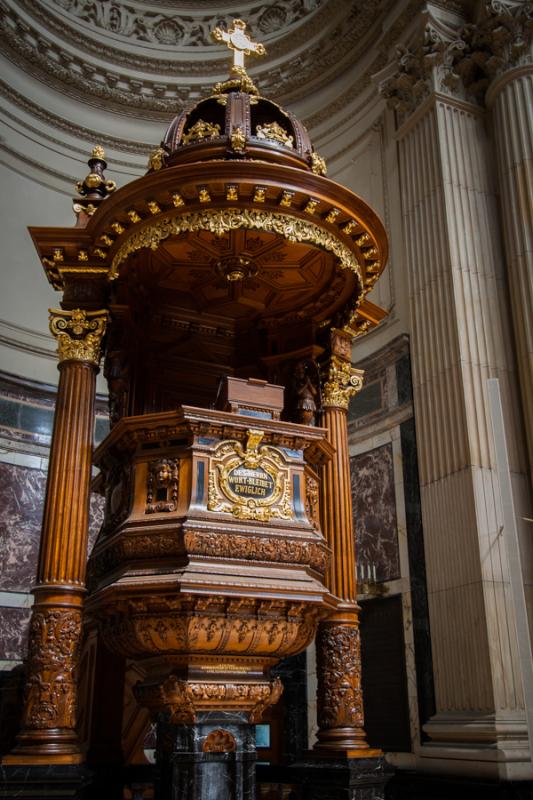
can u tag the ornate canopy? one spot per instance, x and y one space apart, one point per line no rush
234 252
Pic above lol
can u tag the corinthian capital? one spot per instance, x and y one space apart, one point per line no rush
79 333
500 40
341 382
425 64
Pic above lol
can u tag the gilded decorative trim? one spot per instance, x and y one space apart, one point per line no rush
79 333
269 494
220 221
341 382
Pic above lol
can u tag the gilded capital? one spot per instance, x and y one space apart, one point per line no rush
341 382
79 333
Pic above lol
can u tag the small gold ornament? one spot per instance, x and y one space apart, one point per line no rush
318 164
201 130
274 132
238 139
157 159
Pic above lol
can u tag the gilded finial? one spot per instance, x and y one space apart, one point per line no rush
238 40
94 187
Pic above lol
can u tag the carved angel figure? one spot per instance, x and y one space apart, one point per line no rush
306 392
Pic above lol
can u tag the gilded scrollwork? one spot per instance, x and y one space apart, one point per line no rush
341 382
339 676
251 482
220 221
273 131
79 333
201 130
50 693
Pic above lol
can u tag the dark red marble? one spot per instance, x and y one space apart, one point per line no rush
14 624
22 493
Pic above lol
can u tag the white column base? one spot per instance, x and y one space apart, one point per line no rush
484 746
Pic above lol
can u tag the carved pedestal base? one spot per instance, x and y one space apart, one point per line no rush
211 759
340 700
48 734
342 778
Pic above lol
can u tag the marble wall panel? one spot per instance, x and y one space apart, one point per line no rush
374 512
22 493
21 508
13 633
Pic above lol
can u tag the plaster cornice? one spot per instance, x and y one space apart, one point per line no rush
301 70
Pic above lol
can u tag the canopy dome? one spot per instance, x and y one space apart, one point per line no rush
236 122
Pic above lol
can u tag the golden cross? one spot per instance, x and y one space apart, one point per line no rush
238 40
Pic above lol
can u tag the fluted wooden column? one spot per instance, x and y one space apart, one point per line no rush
511 99
48 733
339 697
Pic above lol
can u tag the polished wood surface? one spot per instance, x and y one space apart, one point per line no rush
234 257
48 732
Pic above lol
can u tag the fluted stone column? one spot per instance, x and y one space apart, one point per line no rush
460 336
510 98
48 733
339 697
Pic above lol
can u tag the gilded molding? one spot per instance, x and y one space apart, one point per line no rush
341 382
220 221
79 333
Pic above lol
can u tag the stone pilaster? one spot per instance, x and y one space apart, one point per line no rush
48 732
461 335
